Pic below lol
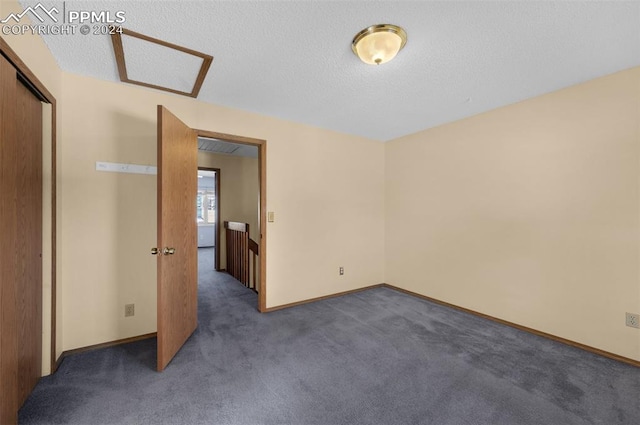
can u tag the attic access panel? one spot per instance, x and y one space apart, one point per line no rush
157 64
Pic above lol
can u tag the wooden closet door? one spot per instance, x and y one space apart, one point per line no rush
9 386
29 243
20 242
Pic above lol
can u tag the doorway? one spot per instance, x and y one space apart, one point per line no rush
176 250
208 217
235 202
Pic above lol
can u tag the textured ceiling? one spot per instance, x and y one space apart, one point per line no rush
293 60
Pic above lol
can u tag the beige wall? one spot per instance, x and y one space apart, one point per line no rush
239 193
529 213
35 54
33 51
47 257
328 203
104 229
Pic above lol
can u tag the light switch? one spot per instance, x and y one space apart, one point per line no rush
270 217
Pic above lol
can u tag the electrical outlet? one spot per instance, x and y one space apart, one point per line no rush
129 310
633 320
341 271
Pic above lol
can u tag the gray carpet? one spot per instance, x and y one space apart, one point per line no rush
374 357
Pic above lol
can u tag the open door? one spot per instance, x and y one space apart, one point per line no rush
177 235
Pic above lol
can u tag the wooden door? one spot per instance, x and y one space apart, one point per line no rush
20 242
177 235
29 243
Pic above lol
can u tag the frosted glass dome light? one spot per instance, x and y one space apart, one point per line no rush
378 44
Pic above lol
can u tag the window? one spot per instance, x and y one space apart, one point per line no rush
206 207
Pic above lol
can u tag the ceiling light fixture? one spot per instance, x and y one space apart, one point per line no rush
378 44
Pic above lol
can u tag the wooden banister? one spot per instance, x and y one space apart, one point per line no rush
239 247
254 248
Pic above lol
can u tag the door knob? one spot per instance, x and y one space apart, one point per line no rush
165 251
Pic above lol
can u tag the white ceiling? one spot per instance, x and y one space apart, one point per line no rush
292 59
